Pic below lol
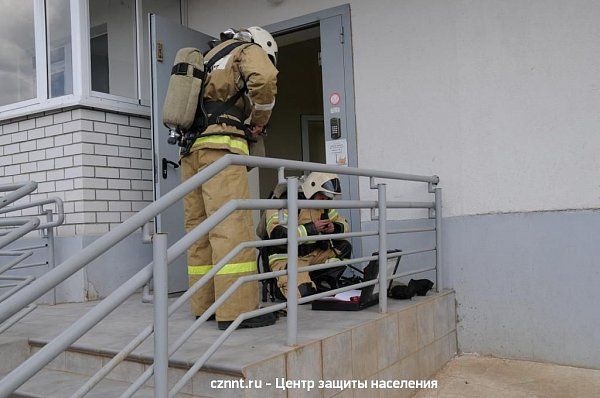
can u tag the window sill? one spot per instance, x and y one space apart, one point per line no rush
100 101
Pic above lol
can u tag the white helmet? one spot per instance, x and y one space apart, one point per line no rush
326 183
265 40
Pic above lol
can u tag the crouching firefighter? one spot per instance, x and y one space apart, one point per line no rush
317 186
240 84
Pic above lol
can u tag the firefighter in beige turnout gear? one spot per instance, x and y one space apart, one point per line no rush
317 186
248 67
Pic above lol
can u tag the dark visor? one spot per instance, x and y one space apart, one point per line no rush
333 186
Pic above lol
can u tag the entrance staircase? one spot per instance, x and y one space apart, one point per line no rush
420 336
107 344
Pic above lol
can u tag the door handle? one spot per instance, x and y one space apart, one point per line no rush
165 165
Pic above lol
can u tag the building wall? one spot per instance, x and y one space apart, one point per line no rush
500 99
98 163
98 279
527 284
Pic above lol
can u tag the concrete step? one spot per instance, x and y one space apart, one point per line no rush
13 351
50 383
87 362
72 368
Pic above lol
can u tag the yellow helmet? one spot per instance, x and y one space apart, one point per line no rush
326 183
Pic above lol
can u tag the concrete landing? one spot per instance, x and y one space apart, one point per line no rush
414 340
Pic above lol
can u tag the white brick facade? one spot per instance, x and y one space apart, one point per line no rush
98 162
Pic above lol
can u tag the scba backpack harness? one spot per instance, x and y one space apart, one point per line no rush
185 113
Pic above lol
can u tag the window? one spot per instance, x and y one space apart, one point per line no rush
17 51
60 63
115 41
59 53
113 45
99 60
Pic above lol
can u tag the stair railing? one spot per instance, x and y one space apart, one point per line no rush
14 228
163 256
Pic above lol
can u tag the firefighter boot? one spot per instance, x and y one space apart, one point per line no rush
306 289
255 322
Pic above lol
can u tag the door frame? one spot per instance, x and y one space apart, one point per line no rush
309 20
312 19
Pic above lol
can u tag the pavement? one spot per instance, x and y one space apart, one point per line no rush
475 376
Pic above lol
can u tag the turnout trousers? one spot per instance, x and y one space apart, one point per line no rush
318 256
231 183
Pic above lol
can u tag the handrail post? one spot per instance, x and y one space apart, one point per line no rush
382 218
438 238
41 211
51 258
147 238
161 303
292 266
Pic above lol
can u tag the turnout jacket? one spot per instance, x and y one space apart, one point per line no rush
306 227
246 66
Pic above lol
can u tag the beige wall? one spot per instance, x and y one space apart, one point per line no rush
500 98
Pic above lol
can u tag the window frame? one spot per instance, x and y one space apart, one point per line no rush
82 95
41 49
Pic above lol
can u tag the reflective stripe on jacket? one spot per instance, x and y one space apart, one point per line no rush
306 227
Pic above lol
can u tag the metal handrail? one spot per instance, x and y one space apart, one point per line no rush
228 292
12 305
181 300
101 245
60 210
24 225
18 191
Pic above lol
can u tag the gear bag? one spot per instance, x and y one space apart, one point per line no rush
184 90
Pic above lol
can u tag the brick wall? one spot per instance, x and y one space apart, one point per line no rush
98 162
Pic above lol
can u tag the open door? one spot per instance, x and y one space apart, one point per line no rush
336 113
166 38
337 127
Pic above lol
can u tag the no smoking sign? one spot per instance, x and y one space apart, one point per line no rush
334 99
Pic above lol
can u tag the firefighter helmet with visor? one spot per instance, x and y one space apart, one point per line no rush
326 183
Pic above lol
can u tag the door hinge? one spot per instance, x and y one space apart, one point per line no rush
159 52
342 35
